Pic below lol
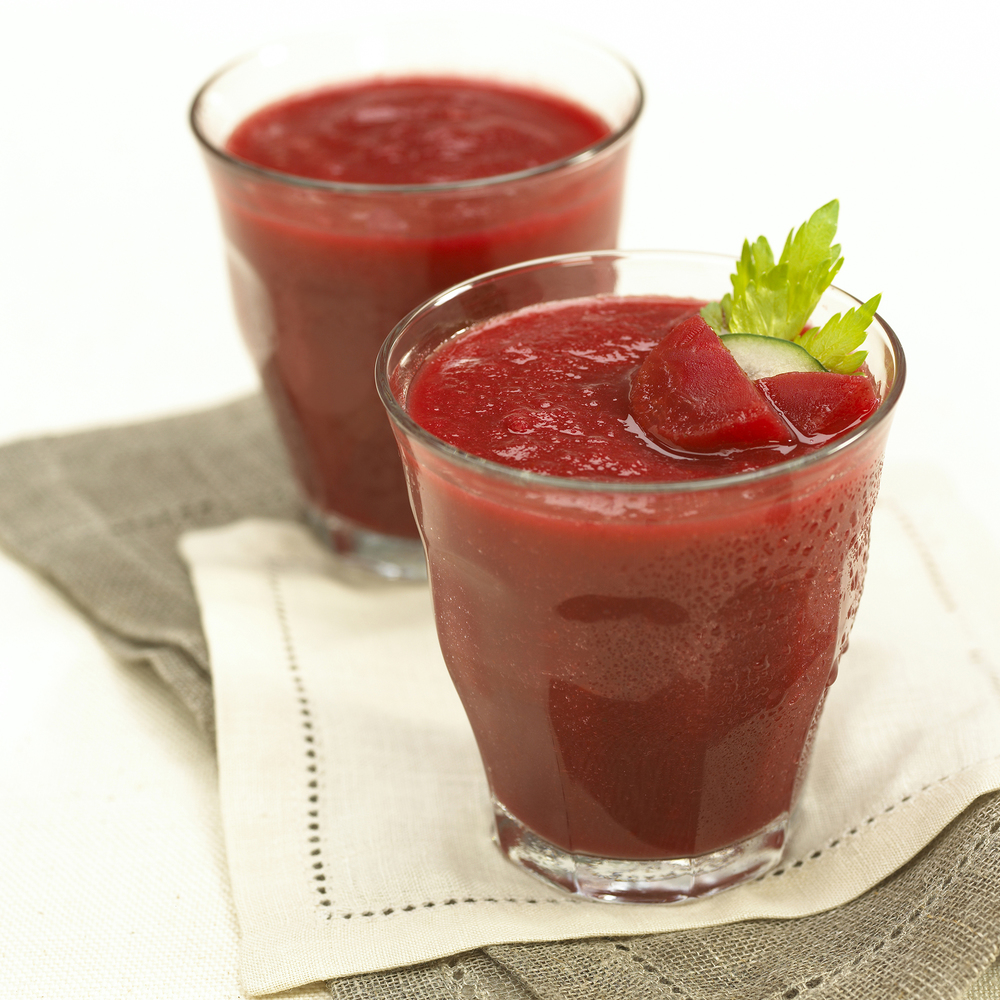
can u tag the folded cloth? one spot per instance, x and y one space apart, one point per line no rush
355 807
98 514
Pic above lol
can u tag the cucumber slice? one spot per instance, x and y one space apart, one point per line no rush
762 357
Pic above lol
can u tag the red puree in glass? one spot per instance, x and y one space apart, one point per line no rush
641 686
321 276
414 131
547 390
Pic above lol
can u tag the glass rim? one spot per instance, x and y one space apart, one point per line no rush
590 152
543 481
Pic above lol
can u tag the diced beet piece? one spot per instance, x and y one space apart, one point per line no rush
690 393
821 404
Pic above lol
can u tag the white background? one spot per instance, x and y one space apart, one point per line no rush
113 306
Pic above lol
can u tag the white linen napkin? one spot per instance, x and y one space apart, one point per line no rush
356 813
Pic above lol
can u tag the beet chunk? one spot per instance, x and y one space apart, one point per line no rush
691 394
821 404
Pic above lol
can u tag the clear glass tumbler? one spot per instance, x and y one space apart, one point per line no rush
321 271
643 663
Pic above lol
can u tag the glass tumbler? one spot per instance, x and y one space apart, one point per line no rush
321 271
643 663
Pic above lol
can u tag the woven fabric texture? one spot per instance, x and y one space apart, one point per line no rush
98 514
913 936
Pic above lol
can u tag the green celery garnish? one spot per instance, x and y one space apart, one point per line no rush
832 345
776 299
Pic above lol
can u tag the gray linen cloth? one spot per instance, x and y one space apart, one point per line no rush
98 514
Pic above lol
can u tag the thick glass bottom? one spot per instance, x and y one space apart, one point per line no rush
667 880
387 556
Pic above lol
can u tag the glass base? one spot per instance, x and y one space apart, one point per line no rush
387 556
670 880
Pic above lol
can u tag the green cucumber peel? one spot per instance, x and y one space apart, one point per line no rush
776 299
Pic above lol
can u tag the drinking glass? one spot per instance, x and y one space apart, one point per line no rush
321 271
643 663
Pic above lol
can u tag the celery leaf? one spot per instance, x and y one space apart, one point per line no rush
714 314
834 344
776 298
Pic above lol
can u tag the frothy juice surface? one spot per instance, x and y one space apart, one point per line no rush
414 131
644 673
548 390
321 276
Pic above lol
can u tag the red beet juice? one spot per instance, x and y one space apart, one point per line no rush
346 206
642 636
